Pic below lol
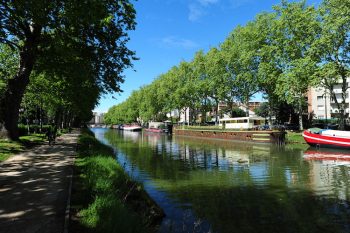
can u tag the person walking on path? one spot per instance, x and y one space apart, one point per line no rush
51 134
35 187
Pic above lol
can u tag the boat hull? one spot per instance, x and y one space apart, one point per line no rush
319 140
132 128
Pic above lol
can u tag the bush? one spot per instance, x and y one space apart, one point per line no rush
23 129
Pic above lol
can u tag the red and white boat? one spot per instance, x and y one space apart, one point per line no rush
327 138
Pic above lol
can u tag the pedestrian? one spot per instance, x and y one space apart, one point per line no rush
49 134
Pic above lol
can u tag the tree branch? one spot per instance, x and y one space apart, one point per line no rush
12 44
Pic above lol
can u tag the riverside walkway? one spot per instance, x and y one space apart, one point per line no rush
35 188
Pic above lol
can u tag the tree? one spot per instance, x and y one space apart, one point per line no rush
32 28
241 53
215 71
294 31
262 110
333 50
269 69
186 95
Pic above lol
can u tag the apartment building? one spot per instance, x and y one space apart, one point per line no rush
322 105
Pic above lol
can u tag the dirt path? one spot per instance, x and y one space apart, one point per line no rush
34 188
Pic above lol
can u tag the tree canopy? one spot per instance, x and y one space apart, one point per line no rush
280 54
67 41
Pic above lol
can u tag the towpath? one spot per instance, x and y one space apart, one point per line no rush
34 188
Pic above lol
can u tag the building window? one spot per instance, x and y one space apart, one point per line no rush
319 98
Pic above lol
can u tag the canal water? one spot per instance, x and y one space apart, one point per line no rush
219 186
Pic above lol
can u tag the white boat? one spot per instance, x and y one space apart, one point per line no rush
132 128
241 122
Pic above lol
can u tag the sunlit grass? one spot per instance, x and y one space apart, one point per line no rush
8 148
295 137
33 138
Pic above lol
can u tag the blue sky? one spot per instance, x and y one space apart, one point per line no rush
169 31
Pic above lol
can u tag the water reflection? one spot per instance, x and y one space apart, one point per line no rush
219 186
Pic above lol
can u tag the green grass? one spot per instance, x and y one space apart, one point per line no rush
295 137
8 148
295 140
101 190
33 139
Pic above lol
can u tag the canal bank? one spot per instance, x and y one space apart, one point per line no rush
104 198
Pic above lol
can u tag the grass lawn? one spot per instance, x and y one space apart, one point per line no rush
8 148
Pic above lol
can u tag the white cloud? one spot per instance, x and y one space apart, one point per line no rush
195 12
174 42
198 8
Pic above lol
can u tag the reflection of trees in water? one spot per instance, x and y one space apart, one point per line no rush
252 209
268 194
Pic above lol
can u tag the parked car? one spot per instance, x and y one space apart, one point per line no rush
291 126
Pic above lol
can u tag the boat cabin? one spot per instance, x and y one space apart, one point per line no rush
241 122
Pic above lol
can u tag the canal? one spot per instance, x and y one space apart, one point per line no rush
220 186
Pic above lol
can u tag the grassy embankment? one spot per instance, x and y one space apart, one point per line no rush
104 199
295 140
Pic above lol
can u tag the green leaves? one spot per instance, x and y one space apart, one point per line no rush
78 48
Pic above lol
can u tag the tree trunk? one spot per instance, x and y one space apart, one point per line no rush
247 107
301 127
217 112
270 112
10 104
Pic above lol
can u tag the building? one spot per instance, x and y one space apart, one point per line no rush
322 105
98 118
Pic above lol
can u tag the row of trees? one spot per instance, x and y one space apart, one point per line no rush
280 54
58 57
